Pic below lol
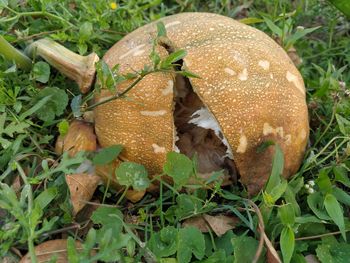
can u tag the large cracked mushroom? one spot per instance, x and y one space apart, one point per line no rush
249 92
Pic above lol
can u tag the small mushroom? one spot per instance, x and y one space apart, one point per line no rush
80 137
249 92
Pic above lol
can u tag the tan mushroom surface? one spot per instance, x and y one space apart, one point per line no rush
248 84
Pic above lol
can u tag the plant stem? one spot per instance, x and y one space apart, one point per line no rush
119 95
36 13
11 53
132 85
30 208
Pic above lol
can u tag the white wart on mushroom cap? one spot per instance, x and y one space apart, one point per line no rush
248 83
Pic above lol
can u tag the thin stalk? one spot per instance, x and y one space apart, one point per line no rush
11 53
119 95
328 126
30 209
132 85
122 196
35 14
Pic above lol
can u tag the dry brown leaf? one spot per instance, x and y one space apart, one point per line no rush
220 224
16 185
80 137
81 187
198 222
48 249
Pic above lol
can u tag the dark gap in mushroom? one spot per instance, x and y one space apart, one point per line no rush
208 144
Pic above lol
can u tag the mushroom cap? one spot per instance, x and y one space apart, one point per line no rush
248 83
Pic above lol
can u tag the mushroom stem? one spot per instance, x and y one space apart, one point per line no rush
11 53
81 69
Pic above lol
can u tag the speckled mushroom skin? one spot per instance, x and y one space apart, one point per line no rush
247 81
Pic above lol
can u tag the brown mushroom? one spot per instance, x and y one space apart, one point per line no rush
249 93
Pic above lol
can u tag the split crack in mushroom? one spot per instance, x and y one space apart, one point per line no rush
197 132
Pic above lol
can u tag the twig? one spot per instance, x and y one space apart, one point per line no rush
37 35
320 236
263 236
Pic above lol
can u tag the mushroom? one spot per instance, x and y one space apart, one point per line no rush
249 92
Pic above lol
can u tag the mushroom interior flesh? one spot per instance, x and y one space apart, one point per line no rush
198 132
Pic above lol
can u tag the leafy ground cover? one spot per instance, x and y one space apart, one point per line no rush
297 220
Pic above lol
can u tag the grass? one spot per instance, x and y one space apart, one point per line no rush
309 216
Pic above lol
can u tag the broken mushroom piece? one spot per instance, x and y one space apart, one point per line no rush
81 69
80 137
249 93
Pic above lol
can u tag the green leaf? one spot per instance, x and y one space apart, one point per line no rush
300 33
162 243
172 58
323 181
187 205
3 3
189 241
35 108
161 30
276 192
107 155
85 31
341 196
315 202
263 146
179 167
72 253
251 20
334 210
41 71
224 243
341 175
63 127
333 253
188 74
275 29
287 242
109 218
245 248
132 174
57 101
342 5
343 124
299 258
230 196
277 169
286 214
45 197
217 257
